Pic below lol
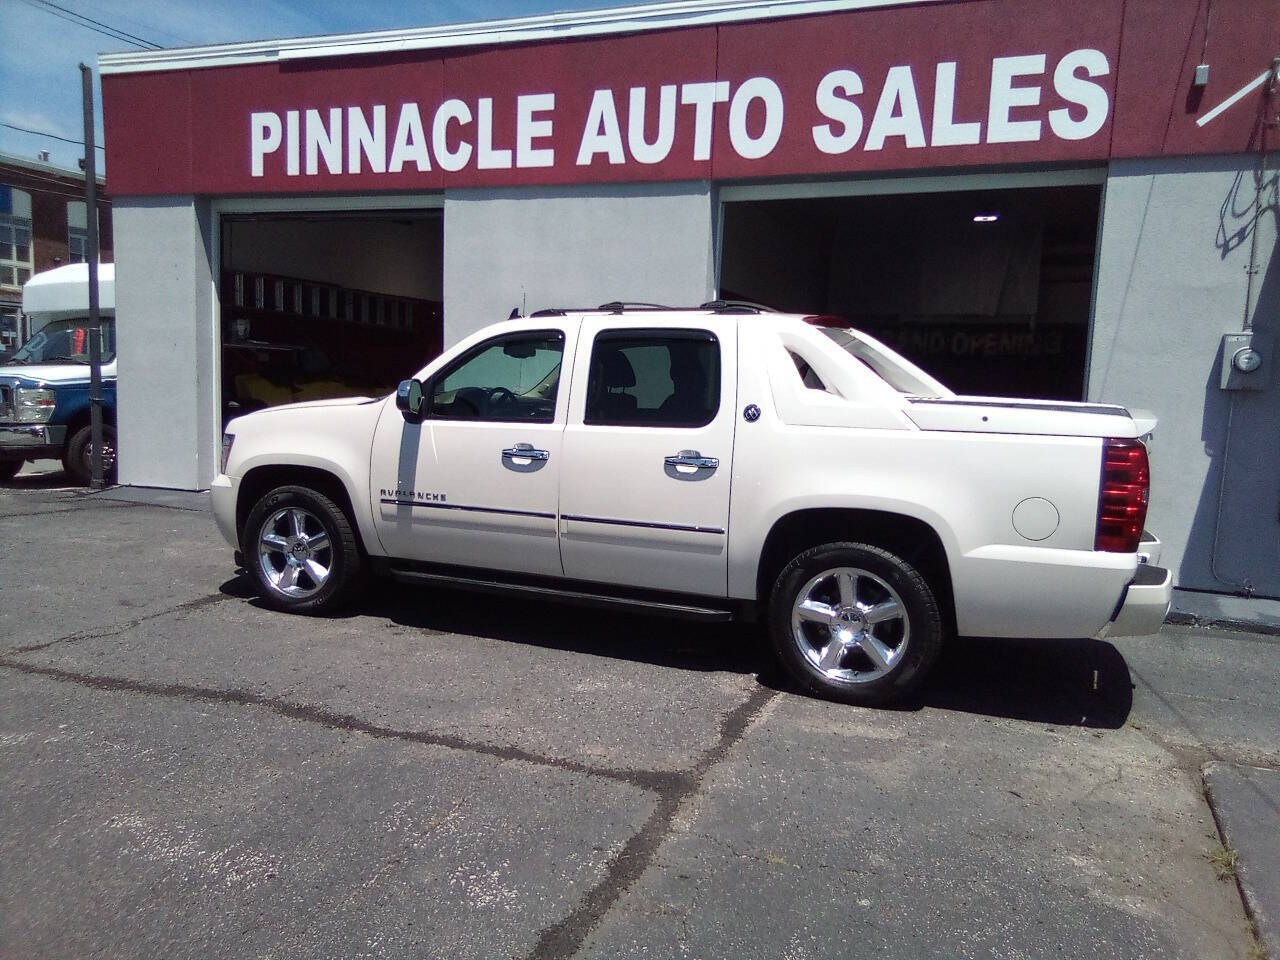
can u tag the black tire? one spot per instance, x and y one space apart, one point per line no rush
920 625
76 456
9 469
345 561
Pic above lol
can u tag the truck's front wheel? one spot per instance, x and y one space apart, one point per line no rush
77 458
855 623
301 550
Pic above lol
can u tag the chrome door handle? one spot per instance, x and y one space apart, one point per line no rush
525 451
691 458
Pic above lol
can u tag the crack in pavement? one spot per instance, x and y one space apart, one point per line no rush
119 505
674 789
658 781
77 637
100 499
563 939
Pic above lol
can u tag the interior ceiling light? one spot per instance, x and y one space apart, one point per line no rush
986 217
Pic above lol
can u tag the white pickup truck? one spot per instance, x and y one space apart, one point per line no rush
711 463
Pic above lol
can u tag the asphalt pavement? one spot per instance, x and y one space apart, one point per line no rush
186 774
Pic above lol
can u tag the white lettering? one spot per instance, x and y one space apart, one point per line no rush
767 92
1005 96
641 149
322 141
601 134
371 142
264 137
703 96
899 88
946 132
291 143
451 160
410 142
833 91
1091 96
528 129
488 158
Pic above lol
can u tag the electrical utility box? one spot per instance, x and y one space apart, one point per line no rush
1246 359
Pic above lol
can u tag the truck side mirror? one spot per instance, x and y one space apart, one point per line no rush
409 399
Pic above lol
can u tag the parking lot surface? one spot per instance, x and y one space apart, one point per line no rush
434 774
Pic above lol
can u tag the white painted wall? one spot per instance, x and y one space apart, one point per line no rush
1171 280
167 393
573 247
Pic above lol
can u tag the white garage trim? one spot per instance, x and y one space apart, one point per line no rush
352 202
943 183
557 26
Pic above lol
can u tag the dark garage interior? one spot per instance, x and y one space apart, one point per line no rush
989 291
327 305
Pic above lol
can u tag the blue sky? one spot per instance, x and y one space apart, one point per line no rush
40 54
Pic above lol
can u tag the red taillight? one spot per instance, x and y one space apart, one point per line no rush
1122 499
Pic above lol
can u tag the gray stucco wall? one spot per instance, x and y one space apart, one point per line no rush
573 247
1175 246
168 423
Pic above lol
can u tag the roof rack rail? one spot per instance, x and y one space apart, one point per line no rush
618 306
735 306
549 312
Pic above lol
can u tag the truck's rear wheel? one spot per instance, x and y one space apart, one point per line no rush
301 550
77 457
9 469
853 622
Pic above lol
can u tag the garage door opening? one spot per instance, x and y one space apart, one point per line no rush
989 291
327 305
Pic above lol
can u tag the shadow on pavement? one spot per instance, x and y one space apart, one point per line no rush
55 480
1072 682
1067 682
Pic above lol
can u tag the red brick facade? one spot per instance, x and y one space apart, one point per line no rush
51 189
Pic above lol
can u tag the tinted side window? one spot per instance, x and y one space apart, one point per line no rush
512 378
655 378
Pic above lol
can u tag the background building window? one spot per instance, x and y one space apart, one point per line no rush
77 232
17 259
8 329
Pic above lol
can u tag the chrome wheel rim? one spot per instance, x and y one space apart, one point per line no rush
850 625
294 553
108 455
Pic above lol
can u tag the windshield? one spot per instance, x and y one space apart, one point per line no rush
67 341
895 370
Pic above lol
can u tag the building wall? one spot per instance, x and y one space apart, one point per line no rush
1175 247
51 191
575 246
167 394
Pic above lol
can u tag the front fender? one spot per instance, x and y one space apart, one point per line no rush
335 439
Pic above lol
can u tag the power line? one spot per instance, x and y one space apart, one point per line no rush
150 27
45 133
97 26
91 24
75 194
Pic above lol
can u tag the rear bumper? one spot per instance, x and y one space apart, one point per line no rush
1145 604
